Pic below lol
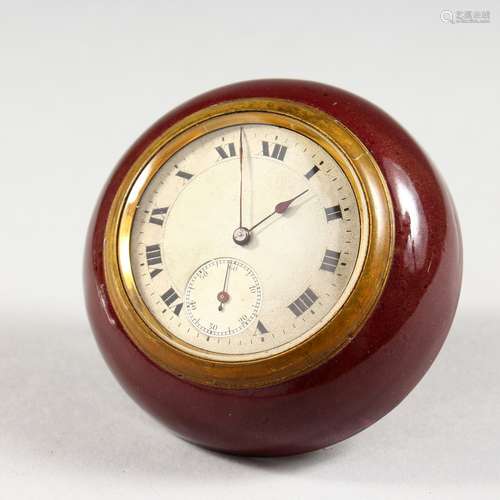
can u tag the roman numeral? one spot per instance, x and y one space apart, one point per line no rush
311 172
169 297
153 258
158 216
262 329
153 254
184 175
303 303
330 260
278 151
226 151
333 213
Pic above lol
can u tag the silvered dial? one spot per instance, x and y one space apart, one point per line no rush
245 241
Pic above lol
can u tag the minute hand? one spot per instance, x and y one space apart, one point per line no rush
280 208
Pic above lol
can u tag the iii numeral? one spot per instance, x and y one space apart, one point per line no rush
153 258
158 216
330 261
303 303
333 213
169 297
225 151
278 151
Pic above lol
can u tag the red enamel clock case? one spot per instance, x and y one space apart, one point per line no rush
372 373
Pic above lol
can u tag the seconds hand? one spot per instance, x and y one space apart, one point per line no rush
223 296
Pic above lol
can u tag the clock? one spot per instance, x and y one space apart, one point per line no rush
272 267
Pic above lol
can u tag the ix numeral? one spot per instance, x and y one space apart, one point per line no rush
278 151
303 303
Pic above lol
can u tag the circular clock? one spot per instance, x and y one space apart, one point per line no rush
272 267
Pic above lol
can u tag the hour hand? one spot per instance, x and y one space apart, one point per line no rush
281 207
241 235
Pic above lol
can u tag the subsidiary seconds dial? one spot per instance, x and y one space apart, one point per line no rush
223 297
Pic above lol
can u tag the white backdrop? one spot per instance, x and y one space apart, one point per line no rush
79 82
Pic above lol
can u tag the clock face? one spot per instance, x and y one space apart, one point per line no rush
245 242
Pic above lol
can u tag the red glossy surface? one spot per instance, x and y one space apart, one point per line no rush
376 370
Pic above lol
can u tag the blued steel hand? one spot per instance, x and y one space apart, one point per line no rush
280 208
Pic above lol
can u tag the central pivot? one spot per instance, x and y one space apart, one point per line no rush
223 297
241 236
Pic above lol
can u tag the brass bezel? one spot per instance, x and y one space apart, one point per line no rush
373 263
